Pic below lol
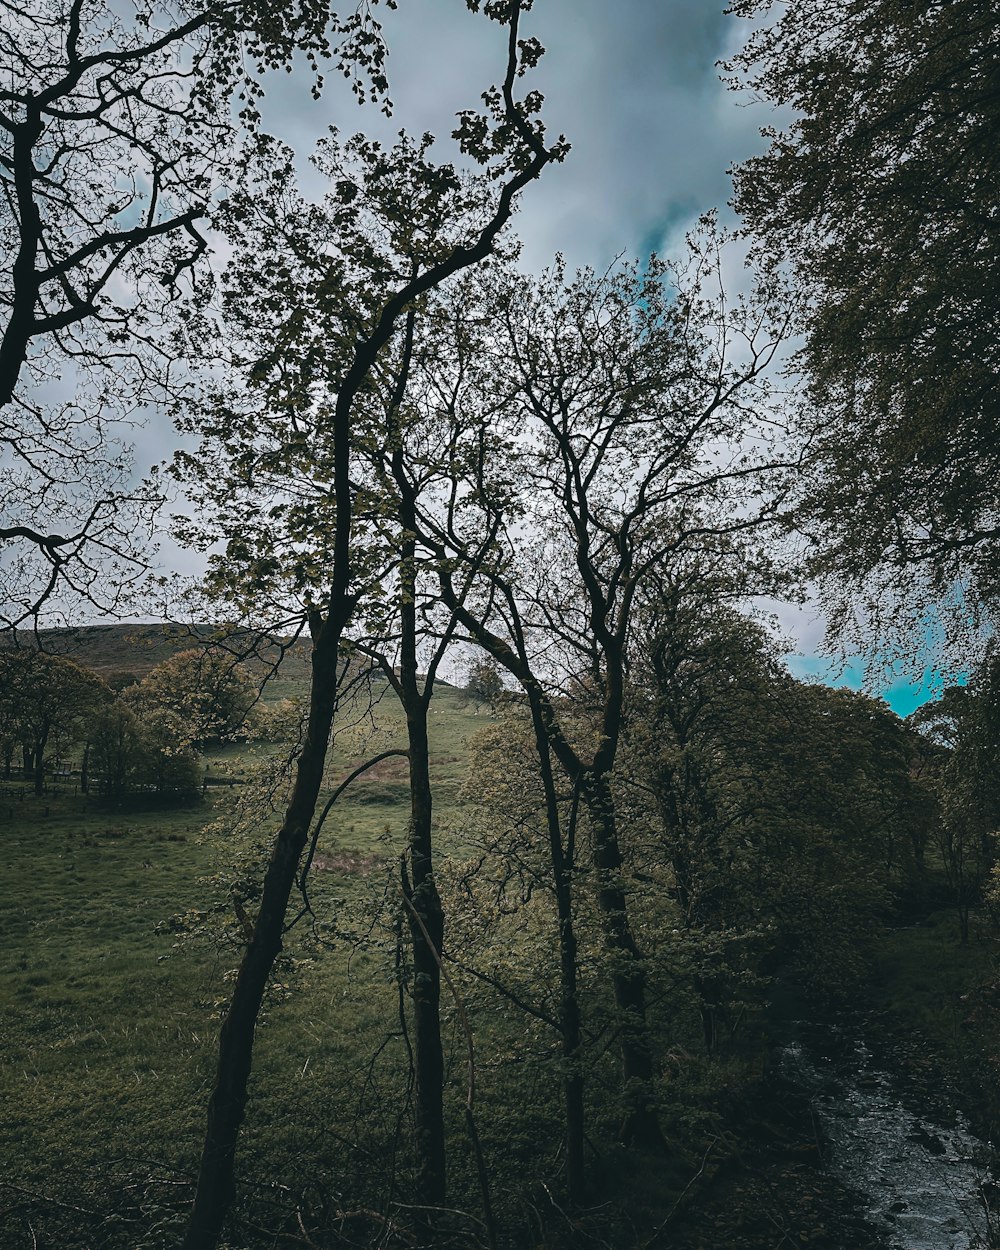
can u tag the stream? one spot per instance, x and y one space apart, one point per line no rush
921 1181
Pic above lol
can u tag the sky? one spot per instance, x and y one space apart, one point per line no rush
635 87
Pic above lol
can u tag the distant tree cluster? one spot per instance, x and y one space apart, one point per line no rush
484 683
143 740
47 703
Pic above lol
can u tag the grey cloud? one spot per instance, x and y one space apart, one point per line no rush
632 83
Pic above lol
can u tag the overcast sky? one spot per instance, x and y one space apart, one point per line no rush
635 87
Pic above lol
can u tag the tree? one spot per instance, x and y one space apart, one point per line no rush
45 697
168 764
528 831
146 751
590 431
393 228
116 127
963 732
115 748
880 193
207 689
483 683
785 810
400 632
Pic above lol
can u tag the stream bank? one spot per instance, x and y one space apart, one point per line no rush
854 1139
769 1187
919 1173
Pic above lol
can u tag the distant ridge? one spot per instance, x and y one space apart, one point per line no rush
116 650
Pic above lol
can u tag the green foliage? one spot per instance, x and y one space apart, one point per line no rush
784 809
143 754
963 754
115 748
95 985
881 193
207 694
46 702
483 682
943 998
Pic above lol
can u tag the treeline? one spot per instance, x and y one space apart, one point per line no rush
130 736
578 476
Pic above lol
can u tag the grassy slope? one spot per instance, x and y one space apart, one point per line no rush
108 1025
108 1033
113 650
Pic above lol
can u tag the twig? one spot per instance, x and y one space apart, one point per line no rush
661 1227
362 768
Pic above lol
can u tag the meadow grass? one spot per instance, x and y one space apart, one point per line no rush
109 1014
108 1022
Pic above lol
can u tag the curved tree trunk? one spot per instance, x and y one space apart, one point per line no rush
216 1183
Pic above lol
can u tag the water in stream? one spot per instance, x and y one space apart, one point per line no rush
920 1181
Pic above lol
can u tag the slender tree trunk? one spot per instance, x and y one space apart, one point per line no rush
428 1055
85 769
426 903
38 763
216 1183
963 916
569 1019
569 1004
640 1124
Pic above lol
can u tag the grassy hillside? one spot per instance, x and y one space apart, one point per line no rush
117 650
119 935
115 947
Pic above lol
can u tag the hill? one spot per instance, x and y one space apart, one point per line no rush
117 651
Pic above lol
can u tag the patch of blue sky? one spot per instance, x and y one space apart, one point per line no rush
670 228
903 692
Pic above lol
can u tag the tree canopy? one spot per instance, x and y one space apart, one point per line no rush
208 690
880 193
42 698
401 447
118 127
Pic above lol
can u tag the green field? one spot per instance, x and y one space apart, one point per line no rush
109 1010
119 933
